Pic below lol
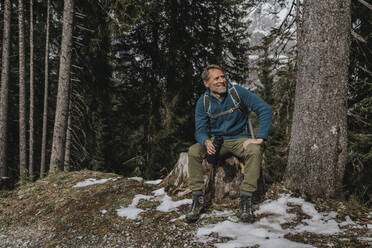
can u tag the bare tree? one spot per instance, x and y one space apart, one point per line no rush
4 90
61 118
22 93
46 84
318 149
31 117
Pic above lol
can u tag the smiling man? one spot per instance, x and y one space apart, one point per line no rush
221 115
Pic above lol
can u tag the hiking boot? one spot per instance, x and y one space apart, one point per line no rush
245 212
197 207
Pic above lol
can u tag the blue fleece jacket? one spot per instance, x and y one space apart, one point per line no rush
232 125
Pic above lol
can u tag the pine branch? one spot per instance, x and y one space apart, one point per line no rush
358 37
365 70
289 14
366 4
84 28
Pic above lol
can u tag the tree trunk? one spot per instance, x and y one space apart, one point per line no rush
31 118
318 152
68 142
222 181
46 79
22 94
60 123
4 90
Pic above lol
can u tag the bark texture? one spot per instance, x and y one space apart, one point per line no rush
46 84
4 90
68 142
22 93
31 114
318 147
60 123
222 181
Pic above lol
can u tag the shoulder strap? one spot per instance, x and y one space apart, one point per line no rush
236 99
234 95
206 103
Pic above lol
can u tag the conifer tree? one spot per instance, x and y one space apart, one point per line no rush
22 93
46 87
31 113
318 149
60 123
4 90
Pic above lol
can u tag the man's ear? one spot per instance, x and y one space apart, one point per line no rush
206 84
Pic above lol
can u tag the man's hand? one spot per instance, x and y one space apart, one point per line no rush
258 141
210 147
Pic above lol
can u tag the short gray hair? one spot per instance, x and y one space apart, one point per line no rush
205 73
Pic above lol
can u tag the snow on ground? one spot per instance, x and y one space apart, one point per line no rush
154 182
138 179
131 212
166 204
267 232
91 181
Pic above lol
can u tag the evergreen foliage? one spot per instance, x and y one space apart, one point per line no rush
359 168
136 79
158 66
277 87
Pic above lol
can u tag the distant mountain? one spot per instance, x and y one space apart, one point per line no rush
264 17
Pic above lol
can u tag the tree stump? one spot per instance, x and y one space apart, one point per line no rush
219 182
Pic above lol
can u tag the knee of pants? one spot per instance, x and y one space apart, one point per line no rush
196 150
253 150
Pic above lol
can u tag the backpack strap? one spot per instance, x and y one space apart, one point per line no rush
234 95
215 116
206 103
236 99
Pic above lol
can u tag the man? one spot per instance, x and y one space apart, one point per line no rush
230 123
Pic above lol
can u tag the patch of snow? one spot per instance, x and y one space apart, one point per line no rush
103 211
260 31
249 235
154 182
131 212
348 221
91 181
182 217
138 179
268 232
318 226
167 204
159 192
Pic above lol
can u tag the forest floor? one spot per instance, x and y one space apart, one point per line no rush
94 209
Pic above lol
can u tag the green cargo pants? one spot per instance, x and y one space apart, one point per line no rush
251 157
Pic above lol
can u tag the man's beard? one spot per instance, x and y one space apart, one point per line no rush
221 93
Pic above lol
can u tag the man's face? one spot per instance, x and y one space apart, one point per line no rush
216 82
